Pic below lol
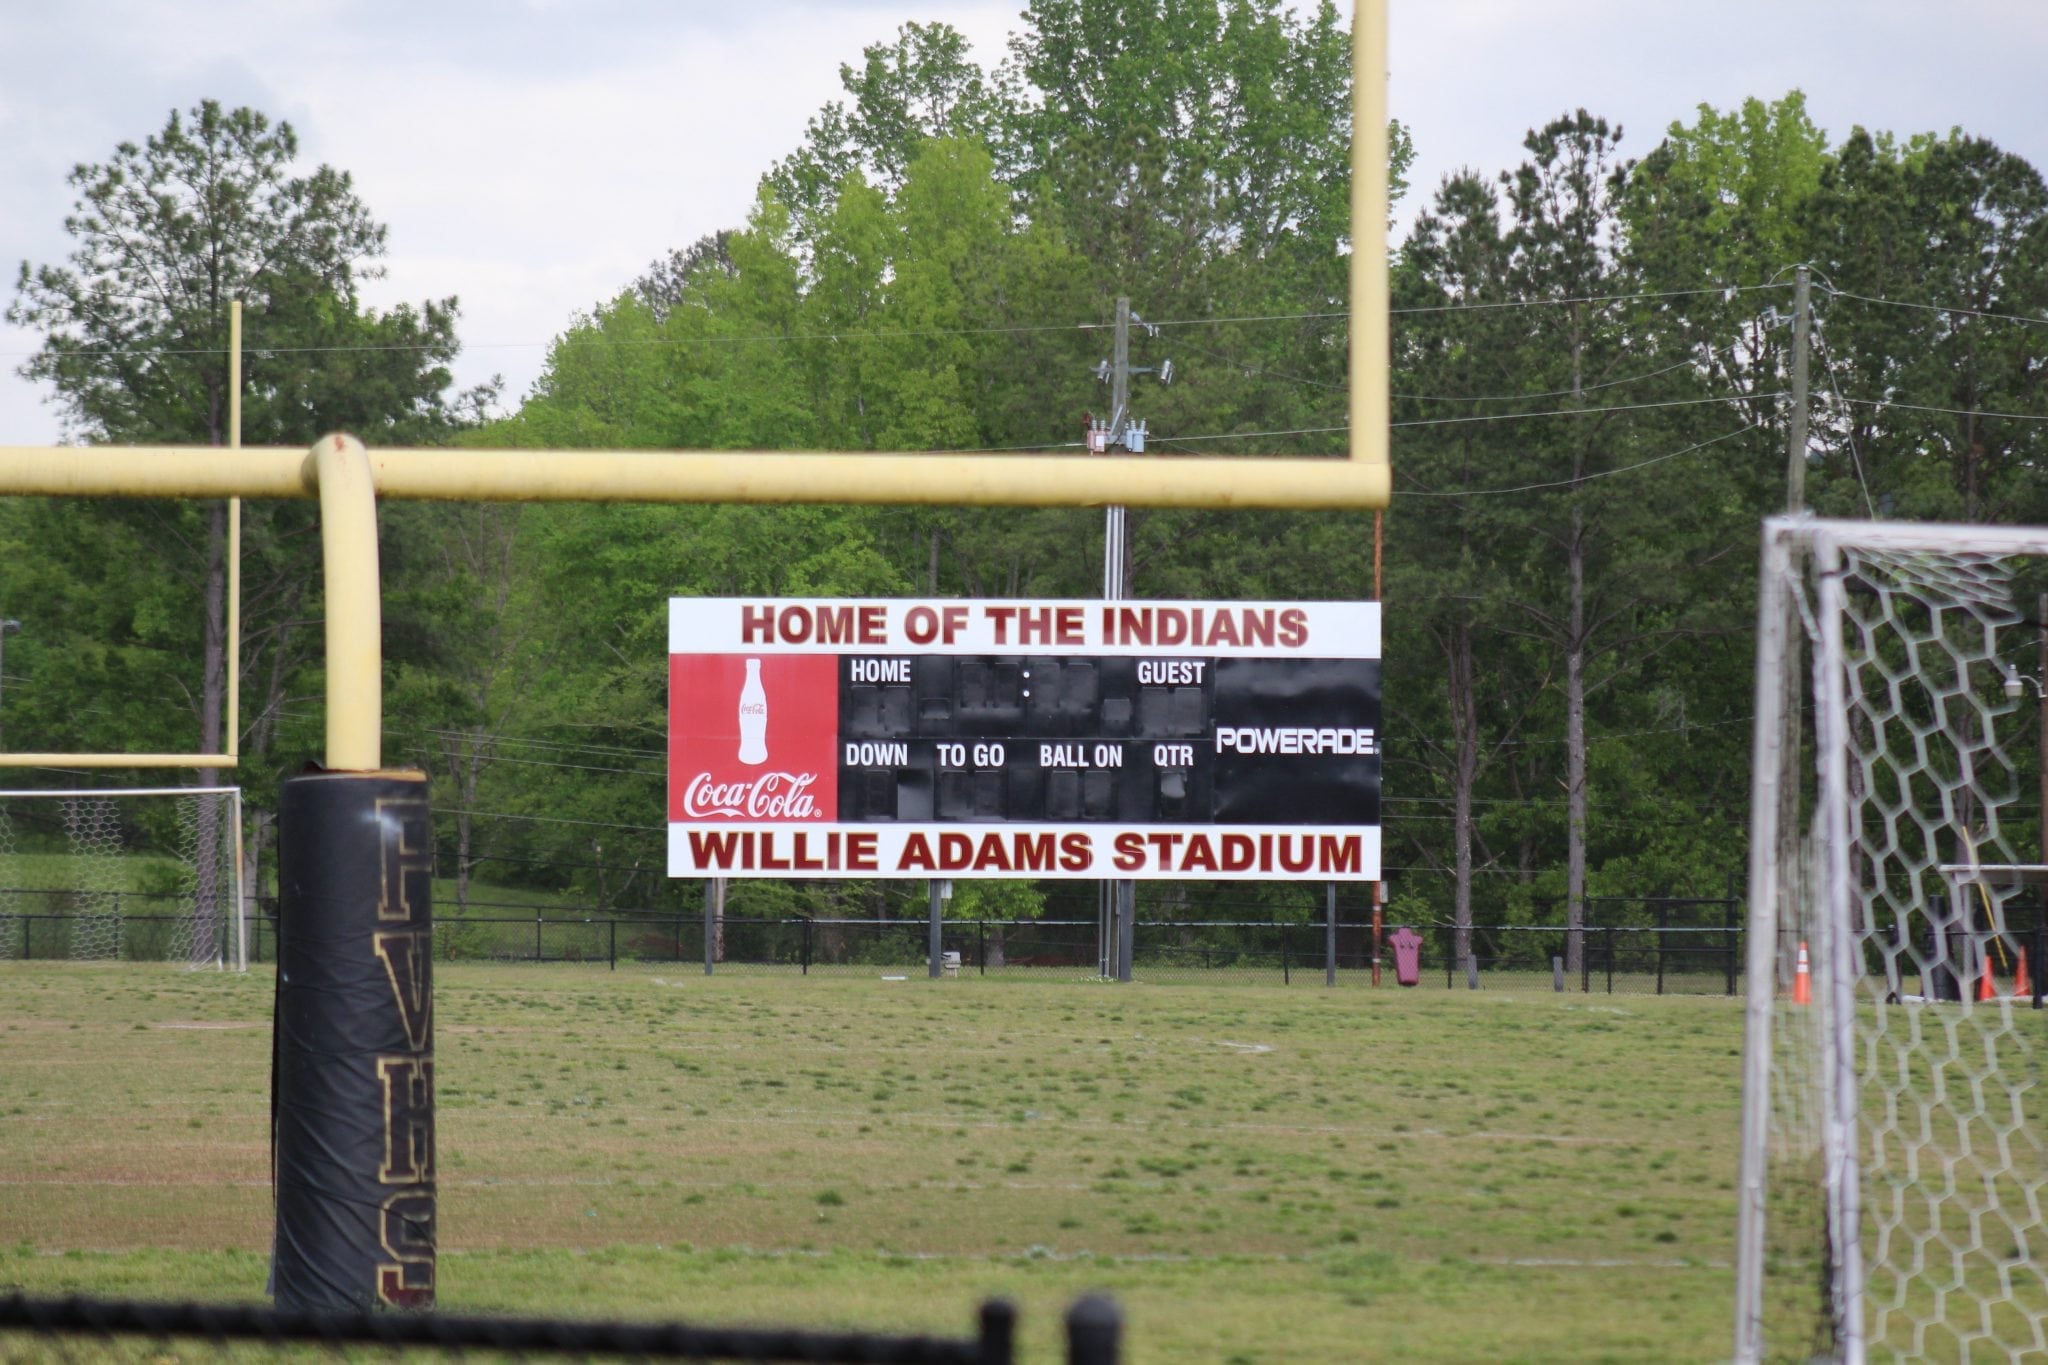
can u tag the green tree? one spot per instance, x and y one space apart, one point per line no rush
1933 261
168 234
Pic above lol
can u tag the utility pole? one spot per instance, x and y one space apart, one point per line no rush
1116 928
1791 733
7 628
2041 697
1795 442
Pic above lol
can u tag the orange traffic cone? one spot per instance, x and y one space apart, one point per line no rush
2022 984
1802 978
1987 984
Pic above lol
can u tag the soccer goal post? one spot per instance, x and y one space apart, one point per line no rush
138 873
1892 1177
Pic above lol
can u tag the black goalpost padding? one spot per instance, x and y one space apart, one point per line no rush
353 1093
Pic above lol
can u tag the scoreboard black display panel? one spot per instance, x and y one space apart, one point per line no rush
1037 738
1110 739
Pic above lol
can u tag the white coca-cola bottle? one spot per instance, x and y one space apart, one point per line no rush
753 716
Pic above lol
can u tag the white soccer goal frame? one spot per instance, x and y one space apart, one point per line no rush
1803 602
239 959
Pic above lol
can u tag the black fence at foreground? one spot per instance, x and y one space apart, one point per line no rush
1094 1331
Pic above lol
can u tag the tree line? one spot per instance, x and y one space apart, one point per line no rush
1591 357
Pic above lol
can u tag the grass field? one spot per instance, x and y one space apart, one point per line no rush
1258 1174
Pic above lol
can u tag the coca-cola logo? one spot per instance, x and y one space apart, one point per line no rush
771 796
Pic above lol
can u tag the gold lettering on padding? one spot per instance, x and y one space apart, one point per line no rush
407 966
408 1120
406 855
405 1225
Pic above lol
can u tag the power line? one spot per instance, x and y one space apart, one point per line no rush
1437 398
548 819
1213 322
1593 739
1570 483
550 744
574 343
1827 361
1222 359
1498 417
778 338
1248 435
1576 412
1547 393
1956 412
1936 307
1723 289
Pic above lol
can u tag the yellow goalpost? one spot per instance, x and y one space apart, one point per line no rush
353 1080
347 479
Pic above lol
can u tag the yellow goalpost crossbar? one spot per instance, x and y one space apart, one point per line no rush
347 479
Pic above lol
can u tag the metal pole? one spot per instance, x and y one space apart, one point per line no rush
1105 928
1120 376
232 738
242 890
1840 1158
1371 345
7 628
711 898
1379 916
2040 956
1093 1329
1120 896
1795 441
1663 923
1728 939
2041 696
1127 929
933 909
1330 935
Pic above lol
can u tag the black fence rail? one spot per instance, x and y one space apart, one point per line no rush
1648 945
810 946
1611 959
129 925
1093 1331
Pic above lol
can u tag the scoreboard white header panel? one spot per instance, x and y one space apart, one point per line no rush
1021 738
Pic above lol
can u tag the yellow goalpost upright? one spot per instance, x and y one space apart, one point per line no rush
354 1103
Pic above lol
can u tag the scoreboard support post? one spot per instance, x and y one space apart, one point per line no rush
1126 927
935 910
713 889
1105 935
1330 935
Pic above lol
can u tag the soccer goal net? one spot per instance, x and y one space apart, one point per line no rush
151 874
1892 1177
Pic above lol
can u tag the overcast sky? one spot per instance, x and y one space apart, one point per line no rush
531 156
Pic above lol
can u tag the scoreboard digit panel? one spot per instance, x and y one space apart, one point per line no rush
1108 739
1042 738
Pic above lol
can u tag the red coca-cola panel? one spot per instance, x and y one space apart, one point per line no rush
714 717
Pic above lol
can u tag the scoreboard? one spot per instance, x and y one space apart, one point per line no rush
1050 738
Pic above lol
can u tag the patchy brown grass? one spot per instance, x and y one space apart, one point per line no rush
1263 1173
